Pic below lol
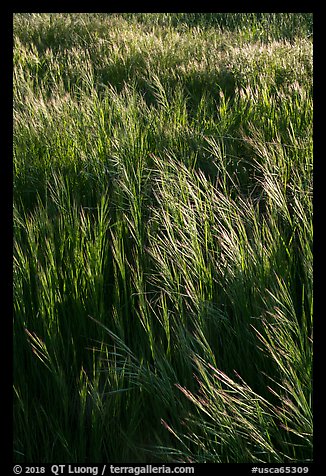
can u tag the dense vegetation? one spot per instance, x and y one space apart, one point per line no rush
163 237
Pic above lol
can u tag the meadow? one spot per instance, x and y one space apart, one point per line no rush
163 275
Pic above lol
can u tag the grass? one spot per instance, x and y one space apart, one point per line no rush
163 238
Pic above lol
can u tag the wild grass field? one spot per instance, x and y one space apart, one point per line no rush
163 237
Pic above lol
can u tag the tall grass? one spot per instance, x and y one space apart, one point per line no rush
163 237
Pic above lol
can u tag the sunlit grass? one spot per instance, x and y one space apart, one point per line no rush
163 237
